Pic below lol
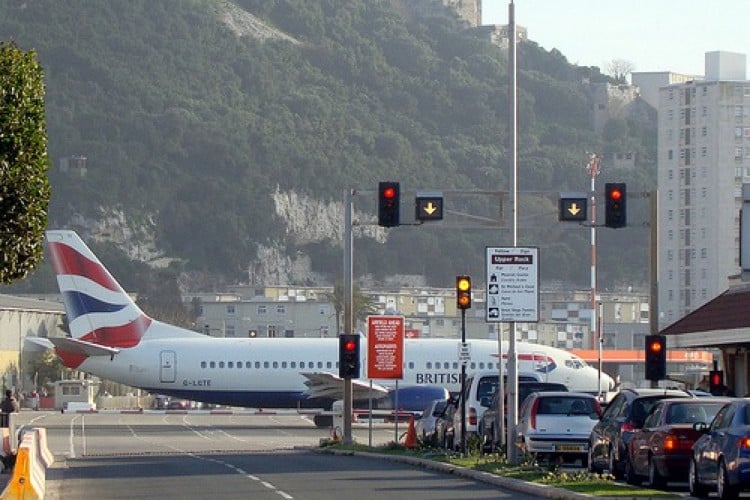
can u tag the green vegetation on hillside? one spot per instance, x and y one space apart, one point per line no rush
182 120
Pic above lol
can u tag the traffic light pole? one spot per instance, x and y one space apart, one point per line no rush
653 317
348 306
463 384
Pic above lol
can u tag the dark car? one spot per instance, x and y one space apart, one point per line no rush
489 425
721 456
624 415
661 449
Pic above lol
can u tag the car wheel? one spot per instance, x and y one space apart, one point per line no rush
590 463
630 476
655 480
614 469
696 488
723 488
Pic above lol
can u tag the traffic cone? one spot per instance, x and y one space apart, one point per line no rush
411 435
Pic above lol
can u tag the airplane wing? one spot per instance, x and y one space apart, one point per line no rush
69 344
328 385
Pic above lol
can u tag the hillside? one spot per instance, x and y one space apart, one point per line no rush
219 136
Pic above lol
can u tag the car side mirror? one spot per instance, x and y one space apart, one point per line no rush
700 427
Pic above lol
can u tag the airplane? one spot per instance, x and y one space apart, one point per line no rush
112 338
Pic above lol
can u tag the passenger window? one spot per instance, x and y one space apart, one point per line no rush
230 364
275 364
248 364
293 364
283 364
257 364
203 364
221 364
212 364
266 364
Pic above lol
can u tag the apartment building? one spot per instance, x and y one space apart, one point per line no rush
703 160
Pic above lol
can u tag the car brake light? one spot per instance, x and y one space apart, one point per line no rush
472 416
628 426
534 408
670 443
677 443
745 443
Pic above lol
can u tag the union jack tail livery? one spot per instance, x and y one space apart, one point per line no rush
99 311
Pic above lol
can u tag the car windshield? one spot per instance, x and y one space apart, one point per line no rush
690 413
746 415
487 386
565 405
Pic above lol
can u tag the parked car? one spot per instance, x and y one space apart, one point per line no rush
624 415
478 391
721 456
424 425
557 425
444 426
661 449
489 424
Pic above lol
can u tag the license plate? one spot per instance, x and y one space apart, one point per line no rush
569 447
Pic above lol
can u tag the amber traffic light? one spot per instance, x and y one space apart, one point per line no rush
656 357
463 292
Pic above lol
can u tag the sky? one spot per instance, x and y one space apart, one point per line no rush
653 35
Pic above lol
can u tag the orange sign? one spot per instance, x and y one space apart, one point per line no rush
385 347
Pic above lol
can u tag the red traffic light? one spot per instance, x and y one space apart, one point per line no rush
350 346
389 192
716 379
615 194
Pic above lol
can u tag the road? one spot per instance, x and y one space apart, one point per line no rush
126 456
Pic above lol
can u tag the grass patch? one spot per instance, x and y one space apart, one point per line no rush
597 485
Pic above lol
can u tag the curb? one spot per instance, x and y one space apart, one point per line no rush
541 490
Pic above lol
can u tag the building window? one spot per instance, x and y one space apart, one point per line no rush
230 308
229 331
262 310
281 308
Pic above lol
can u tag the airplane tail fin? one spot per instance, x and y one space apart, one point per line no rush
99 311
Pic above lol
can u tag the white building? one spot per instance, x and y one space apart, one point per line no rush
703 159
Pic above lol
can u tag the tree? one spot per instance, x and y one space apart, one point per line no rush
363 305
24 186
619 69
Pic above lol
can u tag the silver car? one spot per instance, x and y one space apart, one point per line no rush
557 425
424 425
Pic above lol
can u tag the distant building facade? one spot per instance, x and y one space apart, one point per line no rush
703 160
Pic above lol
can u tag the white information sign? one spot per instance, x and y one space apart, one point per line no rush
512 284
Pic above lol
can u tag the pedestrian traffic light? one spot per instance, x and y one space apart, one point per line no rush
716 382
656 357
463 292
389 200
349 356
615 205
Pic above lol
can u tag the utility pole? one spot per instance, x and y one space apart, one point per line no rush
348 306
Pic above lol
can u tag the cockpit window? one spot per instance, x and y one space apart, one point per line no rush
575 363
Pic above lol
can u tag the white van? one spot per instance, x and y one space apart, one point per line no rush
479 388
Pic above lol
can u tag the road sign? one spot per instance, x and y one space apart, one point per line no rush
464 353
512 284
429 206
573 207
385 347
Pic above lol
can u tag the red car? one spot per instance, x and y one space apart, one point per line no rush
660 451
